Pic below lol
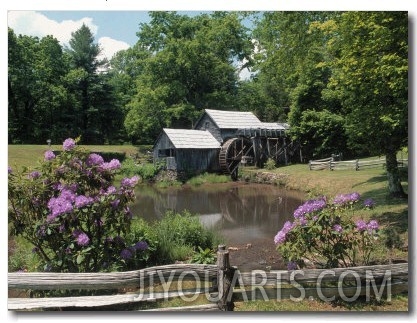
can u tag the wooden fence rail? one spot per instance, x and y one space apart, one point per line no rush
222 285
331 164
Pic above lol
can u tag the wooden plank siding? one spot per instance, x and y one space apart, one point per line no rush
189 151
198 160
207 123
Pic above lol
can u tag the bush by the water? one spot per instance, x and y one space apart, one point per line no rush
76 220
147 171
71 213
175 237
325 234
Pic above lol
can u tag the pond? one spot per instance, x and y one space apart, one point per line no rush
247 216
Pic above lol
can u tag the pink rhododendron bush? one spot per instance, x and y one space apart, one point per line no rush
72 213
325 234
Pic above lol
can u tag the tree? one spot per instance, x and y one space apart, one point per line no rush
38 100
98 119
292 72
191 67
370 78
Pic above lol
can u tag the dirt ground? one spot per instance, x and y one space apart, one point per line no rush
260 255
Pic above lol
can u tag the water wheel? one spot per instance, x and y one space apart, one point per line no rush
231 154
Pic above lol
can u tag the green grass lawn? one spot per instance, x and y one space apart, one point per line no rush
370 183
29 155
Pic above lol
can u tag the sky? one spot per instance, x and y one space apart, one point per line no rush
115 29
112 30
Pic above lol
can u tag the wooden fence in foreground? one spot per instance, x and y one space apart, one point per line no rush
222 285
331 164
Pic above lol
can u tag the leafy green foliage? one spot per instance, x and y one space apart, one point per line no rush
204 256
191 68
324 234
71 213
270 164
321 133
146 171
56 93
370 75
180 235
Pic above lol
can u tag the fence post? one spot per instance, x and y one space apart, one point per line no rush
357 164
224 279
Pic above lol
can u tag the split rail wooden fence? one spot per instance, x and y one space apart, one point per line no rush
331 164
222 285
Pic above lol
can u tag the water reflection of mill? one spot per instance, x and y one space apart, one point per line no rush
240 213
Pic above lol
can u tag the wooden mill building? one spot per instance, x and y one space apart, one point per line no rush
187 150
221 141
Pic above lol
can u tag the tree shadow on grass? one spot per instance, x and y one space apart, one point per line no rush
375 179
396 220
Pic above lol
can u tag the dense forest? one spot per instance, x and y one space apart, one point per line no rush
340 79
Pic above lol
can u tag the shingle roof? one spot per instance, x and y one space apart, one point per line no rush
184 138
274 126
234 119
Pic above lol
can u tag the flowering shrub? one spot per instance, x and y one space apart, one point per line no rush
323 234
72 213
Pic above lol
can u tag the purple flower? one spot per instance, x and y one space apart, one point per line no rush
288 226
292 265
130 182
115 203
81 237
35 174
82 200
126 254
282 235
141 245
112 165
303 220
61 204
58 206
111 190
369 203
343 199
68 144
94 160
337 228
49 155
68 194
361 225
9 170
372 225
310 207
355 196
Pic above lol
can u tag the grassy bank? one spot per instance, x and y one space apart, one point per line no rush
370 183
29 155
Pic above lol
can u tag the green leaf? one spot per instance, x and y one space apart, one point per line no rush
80 259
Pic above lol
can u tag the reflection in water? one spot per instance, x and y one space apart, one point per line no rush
240 212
